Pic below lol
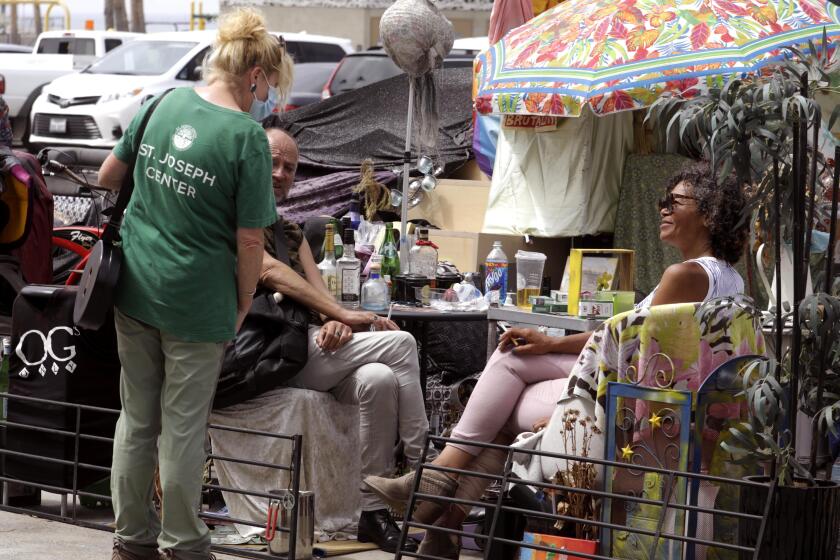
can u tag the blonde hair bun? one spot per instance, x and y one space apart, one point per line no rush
243 42
245 24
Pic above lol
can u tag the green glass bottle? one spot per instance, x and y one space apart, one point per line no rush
390 256
337 246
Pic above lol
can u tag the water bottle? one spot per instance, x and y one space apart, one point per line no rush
496 276
376 296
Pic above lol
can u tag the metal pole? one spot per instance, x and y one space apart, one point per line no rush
829 263
777 204
406 180
297 454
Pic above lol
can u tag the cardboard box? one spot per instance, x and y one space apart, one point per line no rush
566 544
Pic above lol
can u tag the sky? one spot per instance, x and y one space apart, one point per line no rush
156 10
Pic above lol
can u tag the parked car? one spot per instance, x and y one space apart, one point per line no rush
16 49
309 81
373 65
93 107
55 54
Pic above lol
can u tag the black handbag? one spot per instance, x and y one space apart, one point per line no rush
270 348
95 298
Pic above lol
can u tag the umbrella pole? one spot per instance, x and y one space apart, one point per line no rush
406 168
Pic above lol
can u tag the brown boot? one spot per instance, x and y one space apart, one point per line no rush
396 492
127 551
446 545
441 544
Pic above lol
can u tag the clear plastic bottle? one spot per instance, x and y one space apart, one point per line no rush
375 293
496 276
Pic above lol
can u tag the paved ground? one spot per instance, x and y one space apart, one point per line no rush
23 537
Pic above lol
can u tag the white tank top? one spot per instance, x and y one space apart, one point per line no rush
724 280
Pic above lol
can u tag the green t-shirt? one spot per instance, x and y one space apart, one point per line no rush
202 171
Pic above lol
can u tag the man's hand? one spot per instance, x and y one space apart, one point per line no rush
525 341
362 320
333 335
384 324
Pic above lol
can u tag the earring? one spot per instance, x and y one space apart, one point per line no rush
253 88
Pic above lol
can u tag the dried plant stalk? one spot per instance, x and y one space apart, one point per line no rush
578 474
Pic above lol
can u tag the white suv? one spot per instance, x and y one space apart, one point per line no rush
93 107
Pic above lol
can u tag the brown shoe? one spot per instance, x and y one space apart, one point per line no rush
396 491
170 554
127 551
443 545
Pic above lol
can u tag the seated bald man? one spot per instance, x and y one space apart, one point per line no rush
377 370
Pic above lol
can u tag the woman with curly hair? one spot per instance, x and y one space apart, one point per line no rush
523 381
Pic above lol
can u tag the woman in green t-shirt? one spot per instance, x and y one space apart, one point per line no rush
193 246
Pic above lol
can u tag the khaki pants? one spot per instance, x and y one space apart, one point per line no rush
380 372
166 389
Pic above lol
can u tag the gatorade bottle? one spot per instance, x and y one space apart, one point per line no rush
496 277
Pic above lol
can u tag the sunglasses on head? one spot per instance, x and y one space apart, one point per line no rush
669 200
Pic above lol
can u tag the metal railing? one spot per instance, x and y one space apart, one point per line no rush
658 536
71 514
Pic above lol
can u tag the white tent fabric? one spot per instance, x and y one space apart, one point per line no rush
559 183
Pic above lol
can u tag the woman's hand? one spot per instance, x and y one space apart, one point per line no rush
333 335
240 318
540 425
525 341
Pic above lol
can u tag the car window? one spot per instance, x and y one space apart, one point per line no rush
311 77
142 58
111 44
306 51
359 71
189 71
293 50
67 45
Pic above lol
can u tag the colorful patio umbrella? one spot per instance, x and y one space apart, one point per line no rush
616 55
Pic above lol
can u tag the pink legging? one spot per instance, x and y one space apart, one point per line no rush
513 393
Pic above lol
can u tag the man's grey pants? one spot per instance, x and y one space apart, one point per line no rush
380 372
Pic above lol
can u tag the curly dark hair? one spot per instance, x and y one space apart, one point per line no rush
722 204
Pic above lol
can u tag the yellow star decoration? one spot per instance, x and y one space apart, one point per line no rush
655 421
627 452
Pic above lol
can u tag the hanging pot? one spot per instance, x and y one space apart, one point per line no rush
803 522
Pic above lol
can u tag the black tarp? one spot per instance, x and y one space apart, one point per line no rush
338 133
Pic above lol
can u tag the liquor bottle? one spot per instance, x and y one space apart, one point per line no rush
496 276
337 247
349 271
423 257
390 256
376 295
327 266
355 212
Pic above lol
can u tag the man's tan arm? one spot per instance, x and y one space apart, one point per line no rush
281 278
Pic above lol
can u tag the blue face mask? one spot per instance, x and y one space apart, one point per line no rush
262 109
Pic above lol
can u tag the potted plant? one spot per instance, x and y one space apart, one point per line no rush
578 433
767 129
